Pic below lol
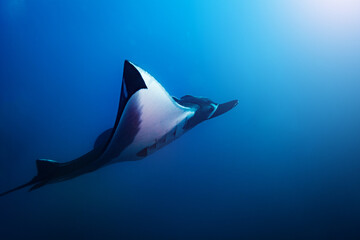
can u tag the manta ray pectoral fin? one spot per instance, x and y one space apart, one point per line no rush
131 83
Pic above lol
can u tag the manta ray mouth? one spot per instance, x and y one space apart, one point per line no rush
224 107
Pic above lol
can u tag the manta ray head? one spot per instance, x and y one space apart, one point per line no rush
205 108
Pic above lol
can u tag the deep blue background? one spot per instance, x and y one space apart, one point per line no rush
284 164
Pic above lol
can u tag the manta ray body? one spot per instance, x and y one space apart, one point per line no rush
148 118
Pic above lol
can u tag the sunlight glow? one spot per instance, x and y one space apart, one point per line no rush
330 17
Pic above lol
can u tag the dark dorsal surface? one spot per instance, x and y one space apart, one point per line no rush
46 167
103 138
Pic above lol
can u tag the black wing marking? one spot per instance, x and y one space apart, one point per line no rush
131 83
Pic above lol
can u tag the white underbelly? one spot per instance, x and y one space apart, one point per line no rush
143 145
161 123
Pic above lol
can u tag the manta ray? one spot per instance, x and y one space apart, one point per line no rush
148 118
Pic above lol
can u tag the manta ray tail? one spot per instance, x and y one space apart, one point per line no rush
44 167
18 188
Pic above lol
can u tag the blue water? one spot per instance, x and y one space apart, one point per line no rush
284 164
